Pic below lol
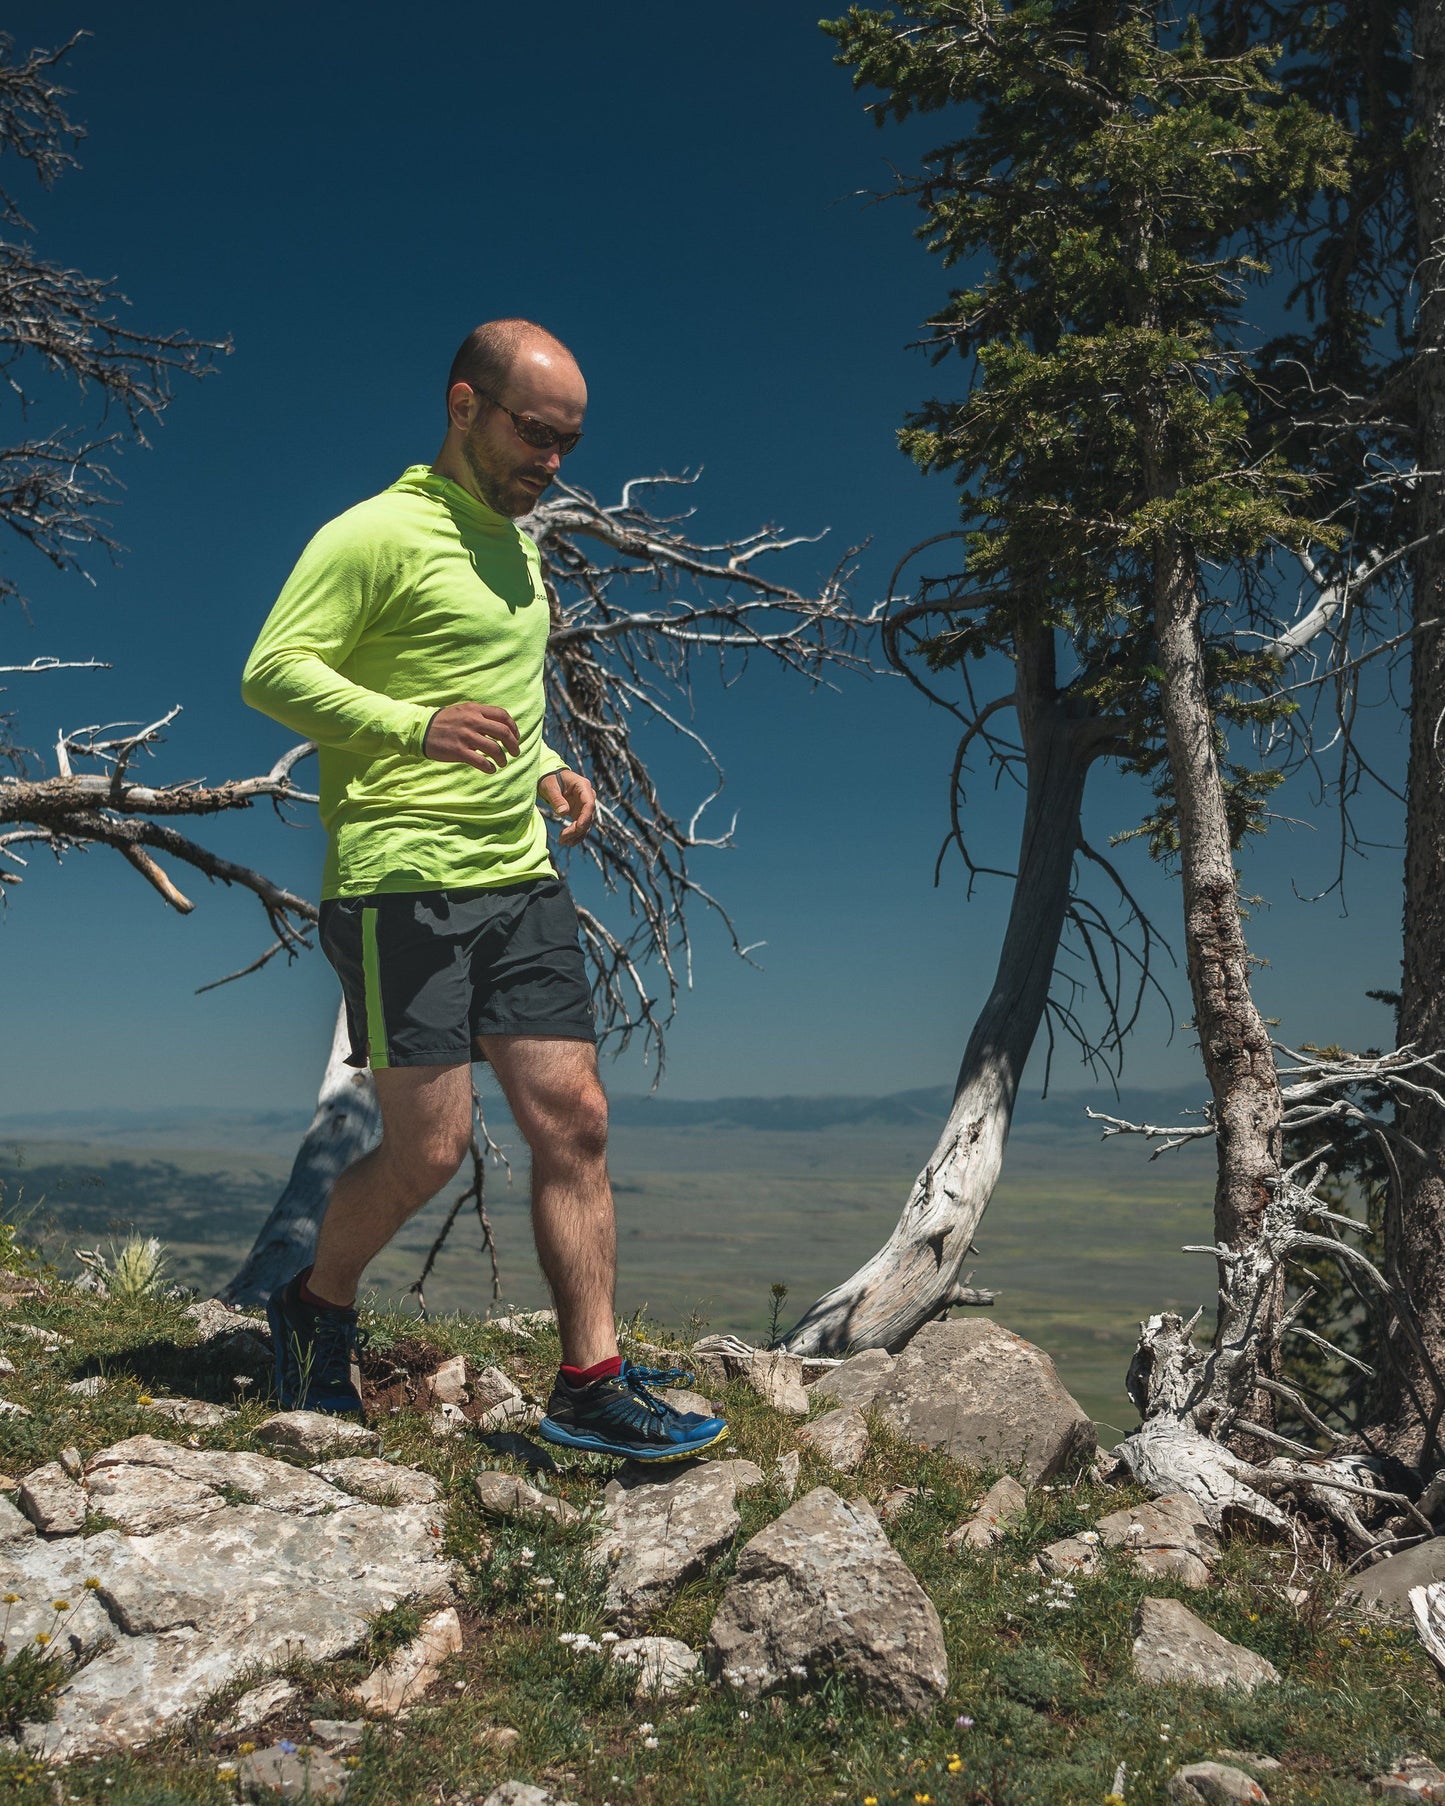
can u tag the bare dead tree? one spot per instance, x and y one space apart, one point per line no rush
641 611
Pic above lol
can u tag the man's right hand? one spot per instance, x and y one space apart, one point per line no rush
472 733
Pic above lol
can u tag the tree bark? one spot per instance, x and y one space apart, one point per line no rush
1415 1223
914 1277
347 1124
1234 1042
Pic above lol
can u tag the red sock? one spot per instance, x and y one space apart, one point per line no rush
584 1376
314 1299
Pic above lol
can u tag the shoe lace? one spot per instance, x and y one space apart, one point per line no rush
337 1341
640 1380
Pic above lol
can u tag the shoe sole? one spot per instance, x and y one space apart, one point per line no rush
554 1433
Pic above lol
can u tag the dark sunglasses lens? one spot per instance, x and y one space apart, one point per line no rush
537 432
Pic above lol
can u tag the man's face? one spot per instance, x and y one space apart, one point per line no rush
512 476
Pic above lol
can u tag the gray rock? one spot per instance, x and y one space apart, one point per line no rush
8 1408
509 1496
186 1612
400 1682
1214 1784
91 1387
255 1706
522 1793
1070 1555
313 1434
1172 1646
448 1384
52 1500
294 1774
840 1437
196 1413
658 1533
1411 1778
822 1591
1385 1588
212 1319
338 1733
144 1500
1003 1504
664 1664
1167 1537
895 1502
276 1485
975 1390
383 1482
523 1323
778 1378
786 1471
13 1524
682 1400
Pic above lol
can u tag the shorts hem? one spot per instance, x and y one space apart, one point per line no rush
426 1056
541 1031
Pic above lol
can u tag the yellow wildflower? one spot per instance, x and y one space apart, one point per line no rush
870 1799
144 1398
92 1583
10 1599
955 1765
245 1748
42 1637
60 1605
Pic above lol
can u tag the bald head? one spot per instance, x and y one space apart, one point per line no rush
491 352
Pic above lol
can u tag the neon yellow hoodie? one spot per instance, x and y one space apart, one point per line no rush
420 597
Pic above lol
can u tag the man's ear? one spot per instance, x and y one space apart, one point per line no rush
462 405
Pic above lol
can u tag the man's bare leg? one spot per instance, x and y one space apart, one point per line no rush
557 1101
426 1115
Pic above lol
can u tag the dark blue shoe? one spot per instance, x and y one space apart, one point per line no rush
623 1416
315 1346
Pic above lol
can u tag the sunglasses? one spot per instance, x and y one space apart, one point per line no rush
530 430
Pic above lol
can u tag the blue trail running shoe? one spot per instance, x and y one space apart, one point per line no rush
315 1346
623 1416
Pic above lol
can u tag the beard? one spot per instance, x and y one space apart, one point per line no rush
497 481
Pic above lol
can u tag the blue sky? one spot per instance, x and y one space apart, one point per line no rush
346 190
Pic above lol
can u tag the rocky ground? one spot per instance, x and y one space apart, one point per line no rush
908 1579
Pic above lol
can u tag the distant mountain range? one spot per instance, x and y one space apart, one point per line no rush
196 1126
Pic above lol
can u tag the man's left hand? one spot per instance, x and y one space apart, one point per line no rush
568 794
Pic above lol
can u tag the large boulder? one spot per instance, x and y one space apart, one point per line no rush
820 1592
172 1617
976 1390
1385 1588
1169 1537
657 1533
1173 1647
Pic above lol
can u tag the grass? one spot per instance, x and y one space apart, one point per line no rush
1041 1708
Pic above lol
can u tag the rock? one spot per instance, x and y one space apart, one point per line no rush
251 1708
840 1437
276 1485
15 1286
47 1338
294 1773
212 1319
1003 1504
8 1408
1172 1646
658 1533
87 1388
786 1471
383 1482
448 1384
338 1733
312 1434
664 1664
1411 1778
778 1378
6 1366
52 1500
143 1500
1070 1555
403 1680
820 1592
509 1496
182 1615
448 1420
682 1400
977 1391
498 1737
1167 1537
1214 1784
198 1413
1263 1765
894 1503
1385 1588
13 1524
523 1323
521 1793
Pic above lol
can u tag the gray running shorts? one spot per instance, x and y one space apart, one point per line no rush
423 972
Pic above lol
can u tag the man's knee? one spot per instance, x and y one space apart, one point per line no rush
570 1125
421 1167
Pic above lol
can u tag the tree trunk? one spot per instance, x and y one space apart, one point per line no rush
1234 1042
914 1277
1415 1227
347 1124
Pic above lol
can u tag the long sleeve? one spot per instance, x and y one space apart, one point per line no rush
293 672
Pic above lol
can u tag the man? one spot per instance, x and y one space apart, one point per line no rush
409 644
